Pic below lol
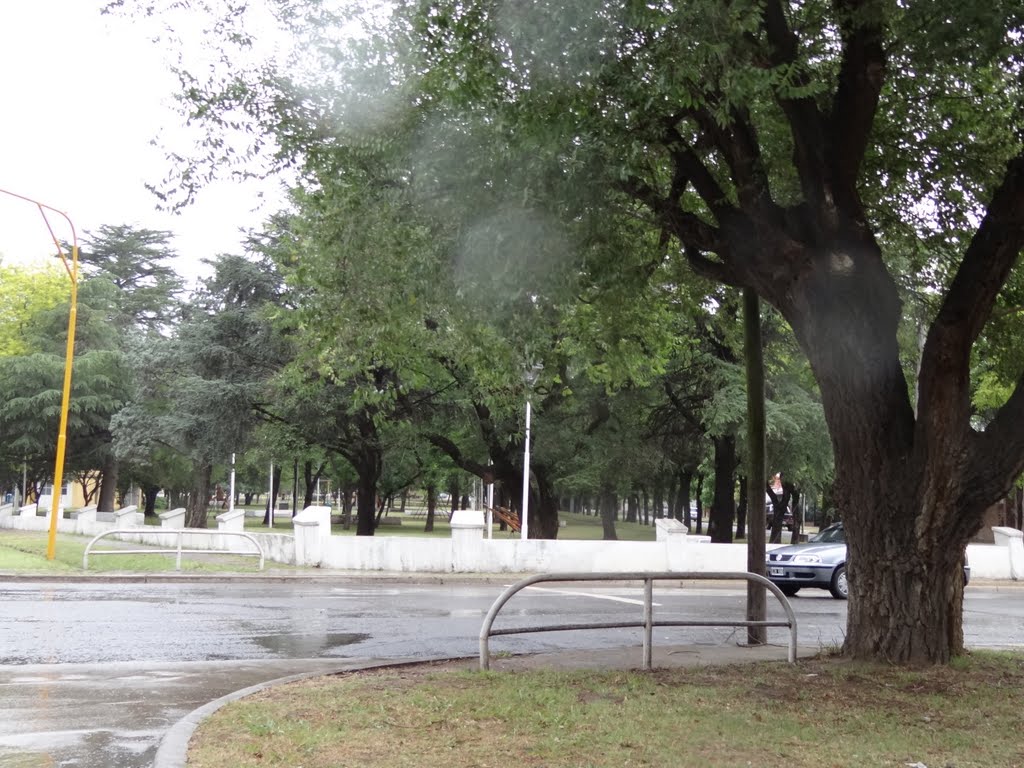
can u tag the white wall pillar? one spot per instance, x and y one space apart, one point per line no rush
1013 540
467 539
173 518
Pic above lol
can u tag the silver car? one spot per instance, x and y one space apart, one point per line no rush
821 563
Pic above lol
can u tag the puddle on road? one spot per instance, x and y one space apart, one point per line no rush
305 646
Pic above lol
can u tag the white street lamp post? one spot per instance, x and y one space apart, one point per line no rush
231 486
270 499
490 507
524 527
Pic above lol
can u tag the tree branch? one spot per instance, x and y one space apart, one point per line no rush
993 251
690 168
861 76
968 304
998 455
713 270
450 449
805 121
688 228
739 146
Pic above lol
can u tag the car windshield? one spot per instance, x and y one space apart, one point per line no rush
831 535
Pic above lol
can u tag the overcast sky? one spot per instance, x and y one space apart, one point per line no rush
84 95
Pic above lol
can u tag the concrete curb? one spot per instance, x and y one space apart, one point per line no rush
380 577
314 578
173 749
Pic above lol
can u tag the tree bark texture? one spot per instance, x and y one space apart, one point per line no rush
195 511
108 485
741 510
609 504
431 507
149 494
723 510
543 523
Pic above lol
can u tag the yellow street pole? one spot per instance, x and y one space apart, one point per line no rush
72 270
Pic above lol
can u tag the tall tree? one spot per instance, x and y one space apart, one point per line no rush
797 150
143 302
199 391
135 261
773 142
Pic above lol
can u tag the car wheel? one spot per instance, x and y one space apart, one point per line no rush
838 587
789 591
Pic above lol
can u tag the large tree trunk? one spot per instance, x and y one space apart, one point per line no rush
608 504
904 491
149 494
547 506
683 513
108 485
741 510
431 507
631 516
723 510
195 511
366 503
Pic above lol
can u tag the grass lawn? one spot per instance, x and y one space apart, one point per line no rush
819 713
25 552
576 527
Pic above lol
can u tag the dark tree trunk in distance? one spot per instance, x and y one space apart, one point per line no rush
608 503
275 486
659 501
741 510
700 503
149 494
723 510
431 507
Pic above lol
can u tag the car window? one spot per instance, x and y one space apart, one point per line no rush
831 535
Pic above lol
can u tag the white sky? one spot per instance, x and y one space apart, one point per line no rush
83 97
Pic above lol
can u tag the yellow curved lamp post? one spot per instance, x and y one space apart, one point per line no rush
72 269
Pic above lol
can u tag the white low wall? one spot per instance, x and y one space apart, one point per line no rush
469 552
675 553
277 547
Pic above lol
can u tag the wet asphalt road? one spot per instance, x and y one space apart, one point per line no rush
93 674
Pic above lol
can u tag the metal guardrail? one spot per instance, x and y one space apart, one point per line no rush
647 622
180 533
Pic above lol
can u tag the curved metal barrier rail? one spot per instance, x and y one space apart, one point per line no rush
180 533
647 622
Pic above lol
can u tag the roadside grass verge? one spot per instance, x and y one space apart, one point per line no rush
819 712
25 552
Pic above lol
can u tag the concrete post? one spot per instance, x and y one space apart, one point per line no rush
312 532
1013 540
467 539
173 518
